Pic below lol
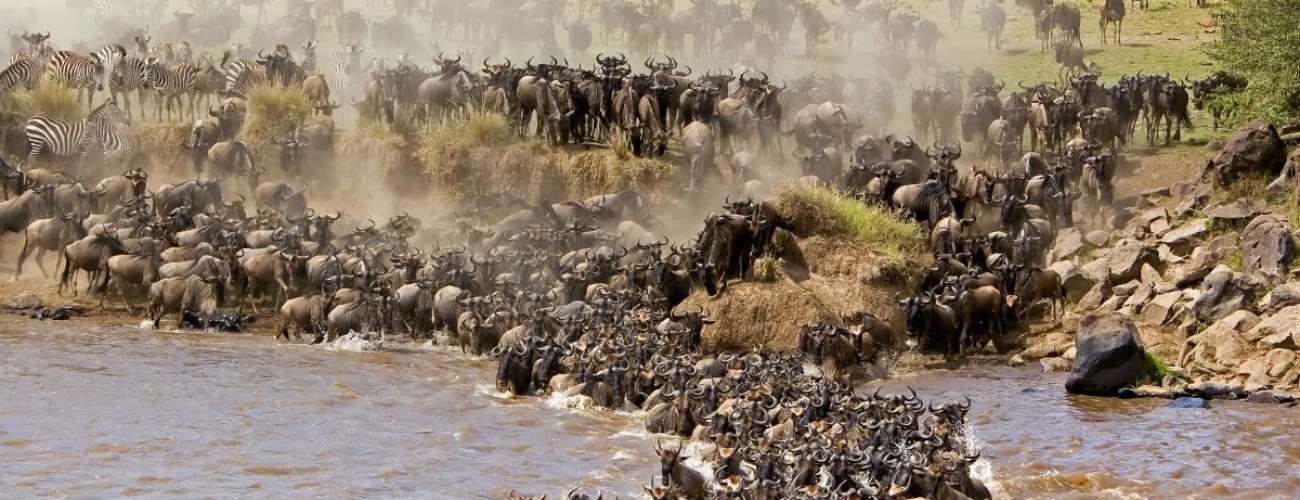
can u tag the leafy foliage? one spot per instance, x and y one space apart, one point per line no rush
1258 40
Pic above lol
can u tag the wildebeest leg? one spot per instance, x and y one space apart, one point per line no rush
121 290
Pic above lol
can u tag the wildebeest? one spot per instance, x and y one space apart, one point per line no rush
194 294
992 19
49 235
1209 93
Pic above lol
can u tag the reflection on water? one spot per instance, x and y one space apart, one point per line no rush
95 411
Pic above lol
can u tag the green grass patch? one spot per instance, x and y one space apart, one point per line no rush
817 209
1154 371
1234 259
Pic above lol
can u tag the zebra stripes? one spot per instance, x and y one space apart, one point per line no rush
184 54
131 76
239 75
24 71
170 83
78 72
63 138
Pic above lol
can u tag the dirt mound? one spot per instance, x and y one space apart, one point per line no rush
751 313
163 143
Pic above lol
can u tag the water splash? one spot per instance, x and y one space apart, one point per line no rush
356 342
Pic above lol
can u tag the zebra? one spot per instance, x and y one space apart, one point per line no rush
79 72
64 138
309 57
131 75
170 83
184 54
346 67
239 75
24 71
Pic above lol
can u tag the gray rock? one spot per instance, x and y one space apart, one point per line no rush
1069 242
1192 197
1286 294
1192 277
1140 297
1223 292
1187 234
1216 390
1269 397
1072 280
1266 247
1097 238
1159 227
1150 274
1153 215
1233 211
1160 308
1099 293
1281 330
1096 271
1126 289
1164 287
1156 192
1109 355
1189 404
1111 304
1126 259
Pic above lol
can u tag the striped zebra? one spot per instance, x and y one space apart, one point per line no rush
24 71
65 139
131 76
240 74
347 67
79 72
170 83
309 57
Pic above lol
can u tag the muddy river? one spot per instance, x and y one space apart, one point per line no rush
92 411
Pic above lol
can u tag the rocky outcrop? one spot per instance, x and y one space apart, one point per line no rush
1223 292
1267 248
1069 243
1233 212
1254 149
1108 355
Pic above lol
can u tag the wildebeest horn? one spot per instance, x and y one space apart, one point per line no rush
1022 198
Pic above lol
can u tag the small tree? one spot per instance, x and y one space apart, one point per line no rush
1258 39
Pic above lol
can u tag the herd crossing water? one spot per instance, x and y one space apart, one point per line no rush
94 410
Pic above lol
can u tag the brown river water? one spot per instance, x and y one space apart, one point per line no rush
106 411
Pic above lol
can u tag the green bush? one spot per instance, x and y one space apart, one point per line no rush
1257 39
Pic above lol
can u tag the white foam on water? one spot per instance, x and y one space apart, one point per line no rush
558 401
491 391
356 342
146 325
982 469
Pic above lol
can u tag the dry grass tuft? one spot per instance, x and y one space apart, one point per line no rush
273 112
48 97
477 153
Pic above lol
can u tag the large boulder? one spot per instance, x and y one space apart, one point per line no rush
1254 149
1125 261
1266 247
1223 292
1108 355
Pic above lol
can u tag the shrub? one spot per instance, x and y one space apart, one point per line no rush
274 111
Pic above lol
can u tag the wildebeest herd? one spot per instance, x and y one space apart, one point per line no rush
582 297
